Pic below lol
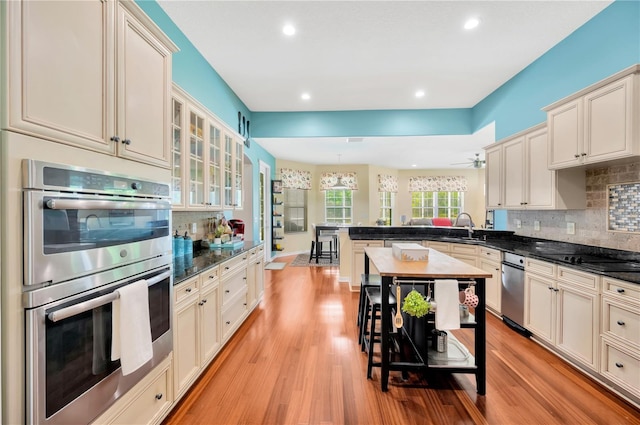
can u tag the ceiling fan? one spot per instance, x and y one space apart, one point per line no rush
474 162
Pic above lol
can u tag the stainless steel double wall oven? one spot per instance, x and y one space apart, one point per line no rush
86 234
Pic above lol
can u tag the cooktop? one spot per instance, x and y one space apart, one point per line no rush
592 262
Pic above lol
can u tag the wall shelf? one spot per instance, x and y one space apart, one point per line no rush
277 215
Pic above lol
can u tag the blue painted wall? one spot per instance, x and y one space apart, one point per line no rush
606 44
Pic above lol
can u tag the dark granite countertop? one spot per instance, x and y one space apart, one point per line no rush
507 241
204 259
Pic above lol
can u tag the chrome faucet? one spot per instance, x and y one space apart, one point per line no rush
470 222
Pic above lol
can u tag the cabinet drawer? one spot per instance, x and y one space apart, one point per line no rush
464 249
233 284
186 289
229 266
233 313
439 246
621 365
209 277
541 268
576 277
149 404
629 292
621 321
364 244
490 254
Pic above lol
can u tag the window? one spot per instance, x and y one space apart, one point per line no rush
436 204
338 206
386 203
295 210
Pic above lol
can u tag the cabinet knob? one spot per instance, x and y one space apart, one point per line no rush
620 291
556 290
576 155
115 139
158 396
204 301
211 276
620 322
584 154
228 322
187 290
126 142
619 365
227 291
550 288
201 303
226 267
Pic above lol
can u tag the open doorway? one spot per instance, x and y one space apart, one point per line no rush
265 209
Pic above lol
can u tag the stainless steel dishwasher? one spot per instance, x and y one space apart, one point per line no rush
513 292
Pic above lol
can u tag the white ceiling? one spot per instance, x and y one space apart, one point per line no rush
369 55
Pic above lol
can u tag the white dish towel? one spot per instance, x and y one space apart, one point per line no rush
131 328
448 311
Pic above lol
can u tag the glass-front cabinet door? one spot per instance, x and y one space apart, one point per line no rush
196 159
238 170
177 153
214 177
229 150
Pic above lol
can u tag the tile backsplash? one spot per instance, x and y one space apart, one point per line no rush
591 224
182 220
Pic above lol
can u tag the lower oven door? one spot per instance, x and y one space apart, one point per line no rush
70 375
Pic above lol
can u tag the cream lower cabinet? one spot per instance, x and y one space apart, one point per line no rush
357 261
620 334
578 315
146 403
464 252
255 276
489 261
91 74
197 333
562 309
234 293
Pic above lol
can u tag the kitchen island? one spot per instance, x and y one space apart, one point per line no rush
439 266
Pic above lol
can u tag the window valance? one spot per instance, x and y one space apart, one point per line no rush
387 183
328 180
438 184
295 179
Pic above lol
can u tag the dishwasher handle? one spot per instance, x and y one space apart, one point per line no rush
515 266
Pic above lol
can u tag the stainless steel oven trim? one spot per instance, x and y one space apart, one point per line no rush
111 388
66 312
113 203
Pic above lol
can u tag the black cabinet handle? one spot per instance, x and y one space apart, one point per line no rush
227 291
577 155
126 142
620 291
158 396
619 365
187 290
228 323
620 322
115 139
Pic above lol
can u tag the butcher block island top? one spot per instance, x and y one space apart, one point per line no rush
439 266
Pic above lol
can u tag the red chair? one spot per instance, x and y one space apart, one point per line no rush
237 226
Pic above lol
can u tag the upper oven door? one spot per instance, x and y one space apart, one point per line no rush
70 235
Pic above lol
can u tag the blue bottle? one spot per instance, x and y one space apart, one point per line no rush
178 246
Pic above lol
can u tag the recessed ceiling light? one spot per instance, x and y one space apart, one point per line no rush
289 29
305 96
414 165
471 23
420 93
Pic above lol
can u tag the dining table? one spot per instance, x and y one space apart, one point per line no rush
438 266
325 227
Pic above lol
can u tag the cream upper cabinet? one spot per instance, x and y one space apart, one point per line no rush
101 82
597 124
207 160
493 177
526 181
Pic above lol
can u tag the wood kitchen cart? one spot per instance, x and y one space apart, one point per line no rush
439 266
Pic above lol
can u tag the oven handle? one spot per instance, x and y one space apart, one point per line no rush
88 204
67 312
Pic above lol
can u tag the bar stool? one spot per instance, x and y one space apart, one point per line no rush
366 281
373 310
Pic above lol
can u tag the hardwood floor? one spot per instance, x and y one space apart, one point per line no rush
296 360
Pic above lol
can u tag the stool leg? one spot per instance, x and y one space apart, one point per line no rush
365 321
372 339
313 245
